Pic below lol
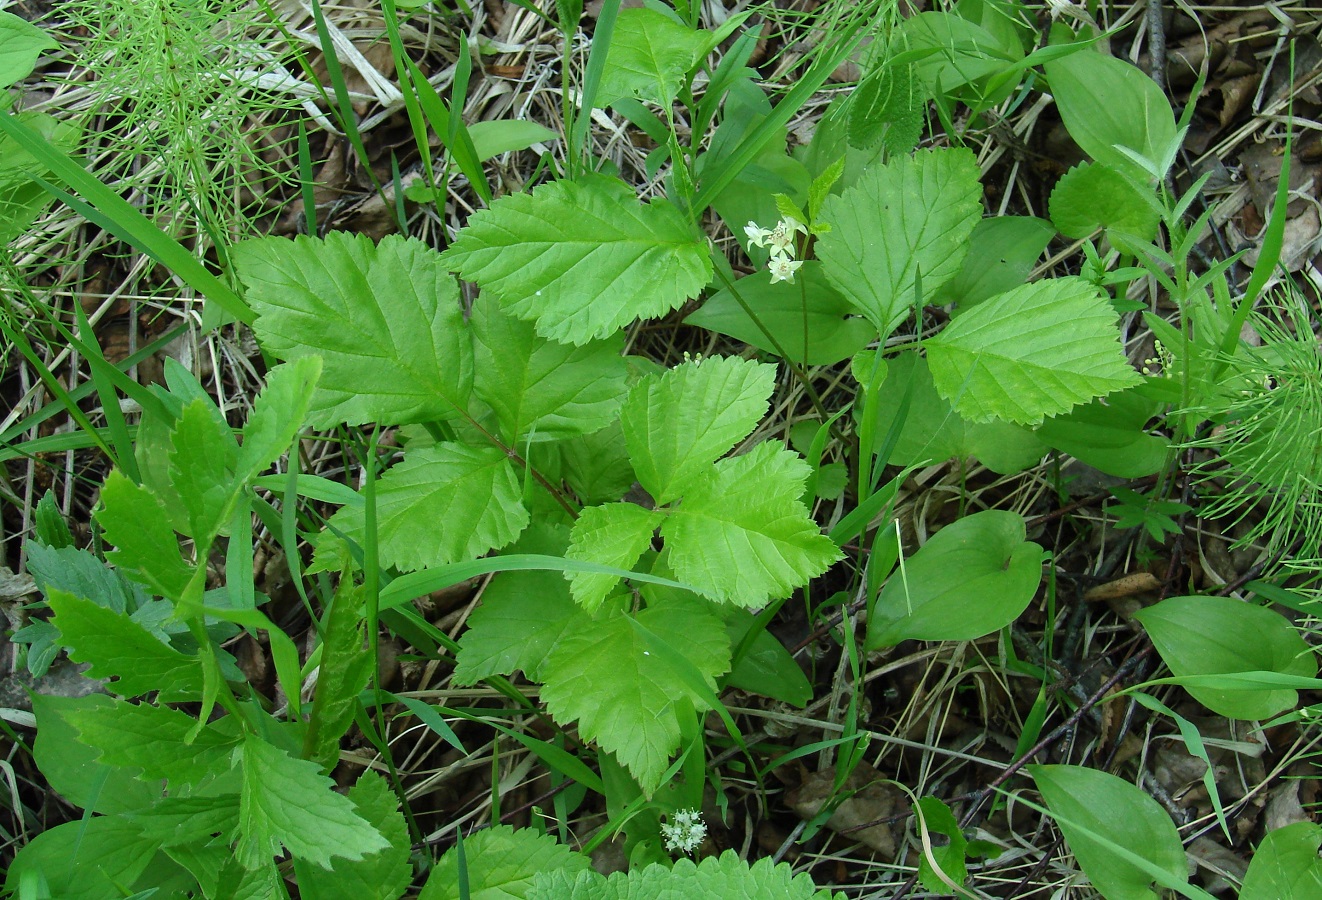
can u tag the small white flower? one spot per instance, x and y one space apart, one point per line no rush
685 831
783 268
757 237
781 238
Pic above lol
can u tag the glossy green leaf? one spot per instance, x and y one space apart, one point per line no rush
1032 352
277 414
912 214
145 545
1091 196
1090 804
582 259
1224 636
1002 252
615 534
973 577
442 504
811 309
542 388
287 802
21 44
678 423
383 875
623 696
650 53
385 318
741 534
501 864
1285 864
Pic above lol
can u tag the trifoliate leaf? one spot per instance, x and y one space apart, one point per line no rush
287 802
678 423
542 388
1034 351
117 647
1091 196
278 414
385 319
501 864
622 695
522 615
742 536
582 258
156 739
146 547
203 457
650 53
912 215
723 876
383 875
615 534
442 504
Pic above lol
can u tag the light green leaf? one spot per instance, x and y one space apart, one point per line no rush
117 647
442 504
497 136
678 423
346 668
155 740
938 819
887 108
742 536
383 875
810 308
723 876
596 465
543 388
1223 636
1091 196
522 615
287 802
615 534
1136 113
84 860
385 319
21 198
622 696
1091 804
650 53
146 547
277 414
973 577
203 458
1002 253
21 44
582 259
73 769
1034 351
1285 864
912 215
965 53
501 863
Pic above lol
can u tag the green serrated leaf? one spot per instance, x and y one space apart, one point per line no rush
48 525
621 695
914 214
1091 196
723 876
155 739
650 54
72 768
544 388
80 573
198 820
596 465
501 863
442 504
678 423
742 536
146 547
887 107
287 802
582 259
972 578
117 647
346 668
615 534
277 414
383 875
203 458
385 319
1031 352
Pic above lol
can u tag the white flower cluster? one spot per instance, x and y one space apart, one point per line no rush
685 831
780 240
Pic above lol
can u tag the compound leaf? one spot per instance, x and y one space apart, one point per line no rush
582 258
678 423
385 318
156 739
912 215
742 536
1033 351
615 534
442 504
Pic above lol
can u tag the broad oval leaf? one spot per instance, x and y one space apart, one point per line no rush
21 44
582 259
1090 807
766 668
1031 352
1091 196
973 577
1223 636
912 215
1285 864
385 319
1002 253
